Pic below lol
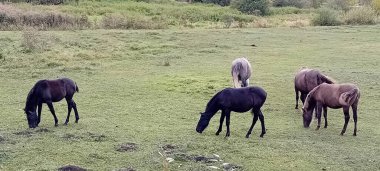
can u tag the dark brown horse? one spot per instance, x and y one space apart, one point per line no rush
49 91
236 100
333 96
306 79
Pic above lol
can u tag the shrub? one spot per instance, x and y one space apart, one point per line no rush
338 4
294 3
376 5
284 10
257 7
117 21
326 17
360 16
14 18
219 2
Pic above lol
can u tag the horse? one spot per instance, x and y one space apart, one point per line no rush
306 79
240 71
333 96
236 100
49 91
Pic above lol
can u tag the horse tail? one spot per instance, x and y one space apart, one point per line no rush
326 79
76 87
349 97
236 67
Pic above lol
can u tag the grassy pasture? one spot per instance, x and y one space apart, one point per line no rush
147 87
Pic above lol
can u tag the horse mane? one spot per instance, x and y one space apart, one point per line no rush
30 98
211 104
308 97
326 79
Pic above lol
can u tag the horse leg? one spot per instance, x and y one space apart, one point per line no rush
50 105
244 83
255 117
263 129
69 107
346 119
227 113
318 113
74 105
355 116
325 114
39 113
221 123
303 97
297 97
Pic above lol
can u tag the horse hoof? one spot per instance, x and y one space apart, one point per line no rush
217 133
247 136
317 128
354 134
262 135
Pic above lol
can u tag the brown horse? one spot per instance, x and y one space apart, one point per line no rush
49 91
306 79
333 96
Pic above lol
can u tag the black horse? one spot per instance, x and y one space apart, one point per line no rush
49 91
237 100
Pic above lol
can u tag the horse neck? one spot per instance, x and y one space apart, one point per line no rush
31 101
212 106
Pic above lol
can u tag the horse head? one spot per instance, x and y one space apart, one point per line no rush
31 116
203 122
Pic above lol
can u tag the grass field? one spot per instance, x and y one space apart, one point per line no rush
148 87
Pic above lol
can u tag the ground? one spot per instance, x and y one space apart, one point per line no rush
140 94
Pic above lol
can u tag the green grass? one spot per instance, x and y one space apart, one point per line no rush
128 94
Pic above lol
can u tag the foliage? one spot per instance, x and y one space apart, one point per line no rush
257 7
376 5
219 2
360 16
326 17
294 3
338 4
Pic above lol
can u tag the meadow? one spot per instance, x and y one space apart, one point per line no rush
147 87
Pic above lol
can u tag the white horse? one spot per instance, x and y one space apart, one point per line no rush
241 71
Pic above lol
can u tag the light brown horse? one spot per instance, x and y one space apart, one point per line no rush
306 79
333 96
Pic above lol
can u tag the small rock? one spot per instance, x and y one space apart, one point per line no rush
213 167
169 159
211 160
216 156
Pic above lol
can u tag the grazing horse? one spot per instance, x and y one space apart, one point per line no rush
307 79
333 96
237 100
241 71
49 91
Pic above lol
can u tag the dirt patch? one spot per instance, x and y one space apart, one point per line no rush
24 133
169 149
2 139
71 168
125 169
43 130
70 137
126 147
97 137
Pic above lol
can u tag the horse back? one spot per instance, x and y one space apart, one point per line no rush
56 90
242 99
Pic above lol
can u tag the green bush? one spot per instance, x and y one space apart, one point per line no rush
338 4
284 10
376 5
219 2
294 3
326 17
256 7
360 16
